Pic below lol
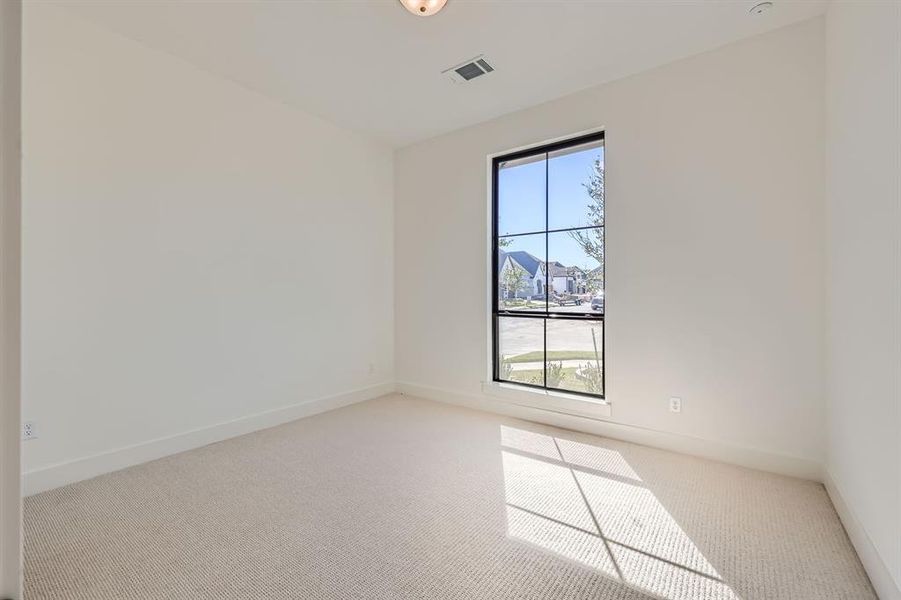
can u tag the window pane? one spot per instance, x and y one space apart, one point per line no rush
522 273
520 350
575 355
576 271
575 181
520 196
549 221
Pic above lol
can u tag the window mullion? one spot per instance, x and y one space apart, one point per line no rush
547 266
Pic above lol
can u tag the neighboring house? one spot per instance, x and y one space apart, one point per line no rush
567 280
563 279
535 279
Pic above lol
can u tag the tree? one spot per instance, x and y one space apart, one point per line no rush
593 280
513 278
592 240
504 242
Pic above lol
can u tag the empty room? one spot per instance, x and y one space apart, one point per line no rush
450 299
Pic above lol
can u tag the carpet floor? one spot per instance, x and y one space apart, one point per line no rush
400 498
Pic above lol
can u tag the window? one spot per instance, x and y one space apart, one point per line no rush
548 266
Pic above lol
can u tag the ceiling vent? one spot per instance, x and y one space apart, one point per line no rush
469 70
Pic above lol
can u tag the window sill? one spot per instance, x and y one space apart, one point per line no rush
561 402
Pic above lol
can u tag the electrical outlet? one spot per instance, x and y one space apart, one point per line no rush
675 405
29 430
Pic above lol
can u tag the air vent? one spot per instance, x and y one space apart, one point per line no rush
469 70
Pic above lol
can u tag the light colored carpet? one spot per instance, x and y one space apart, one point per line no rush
404 498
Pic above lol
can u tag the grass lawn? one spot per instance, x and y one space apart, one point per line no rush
538 356
568 382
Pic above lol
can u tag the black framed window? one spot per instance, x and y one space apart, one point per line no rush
548 266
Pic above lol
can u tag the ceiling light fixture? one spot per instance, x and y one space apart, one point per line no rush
423 8
759 9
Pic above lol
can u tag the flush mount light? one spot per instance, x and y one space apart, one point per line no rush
423 8
761 8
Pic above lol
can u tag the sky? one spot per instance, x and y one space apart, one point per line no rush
521 204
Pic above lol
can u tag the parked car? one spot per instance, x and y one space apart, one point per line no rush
597 303
564 299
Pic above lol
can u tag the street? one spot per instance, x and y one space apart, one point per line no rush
521 335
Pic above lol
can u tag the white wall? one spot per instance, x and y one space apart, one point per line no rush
864 279
179 231
715 245
10 280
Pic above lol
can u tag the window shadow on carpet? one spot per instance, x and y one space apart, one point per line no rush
585 503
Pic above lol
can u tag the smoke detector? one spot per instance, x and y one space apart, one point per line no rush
469 70
759 9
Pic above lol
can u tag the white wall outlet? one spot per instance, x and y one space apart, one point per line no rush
29 430
675 404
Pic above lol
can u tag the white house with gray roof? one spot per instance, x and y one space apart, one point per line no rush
535 279
564 280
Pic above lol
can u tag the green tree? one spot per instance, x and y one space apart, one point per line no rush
593 283
592 240
513 279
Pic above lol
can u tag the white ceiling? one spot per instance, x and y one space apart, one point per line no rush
371 66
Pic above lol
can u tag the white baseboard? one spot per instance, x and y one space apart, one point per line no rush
880 575
716 450
46 478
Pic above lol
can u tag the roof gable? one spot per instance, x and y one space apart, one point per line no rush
528 262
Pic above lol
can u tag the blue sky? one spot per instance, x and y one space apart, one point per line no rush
521 204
